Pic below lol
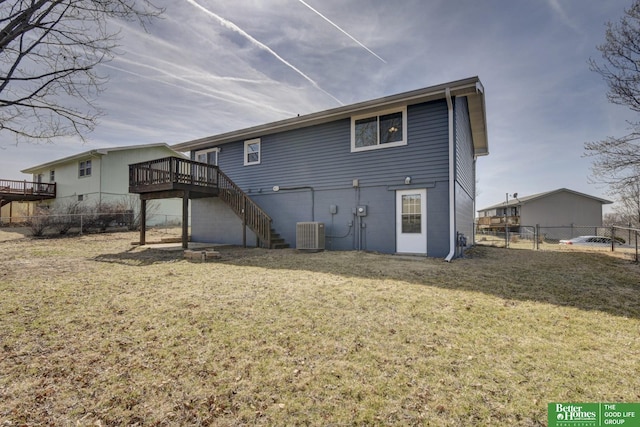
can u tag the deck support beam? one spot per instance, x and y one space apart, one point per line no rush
185 220
143 221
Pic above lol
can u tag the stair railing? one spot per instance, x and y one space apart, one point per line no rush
252 216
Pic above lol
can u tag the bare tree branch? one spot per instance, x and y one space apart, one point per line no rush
616 160
49 50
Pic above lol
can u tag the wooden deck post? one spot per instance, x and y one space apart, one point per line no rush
185 220
143 221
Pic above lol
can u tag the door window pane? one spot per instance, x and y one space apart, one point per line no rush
411 214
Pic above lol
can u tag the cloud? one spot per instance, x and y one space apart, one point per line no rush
230 25
343 31
562 15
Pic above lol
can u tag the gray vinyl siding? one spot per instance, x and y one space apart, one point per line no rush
465 170
464 147
562 209
320 157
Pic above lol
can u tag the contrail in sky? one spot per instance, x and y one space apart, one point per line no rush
261 45
343 31
204 90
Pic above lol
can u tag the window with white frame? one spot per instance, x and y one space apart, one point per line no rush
52 175
84 168
252 152
386 129
209 156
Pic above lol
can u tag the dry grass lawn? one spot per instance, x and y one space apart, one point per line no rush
94 331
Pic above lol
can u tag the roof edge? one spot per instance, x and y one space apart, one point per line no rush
93 153
463 87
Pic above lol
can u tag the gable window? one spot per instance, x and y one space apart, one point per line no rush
252 152
388 129
84 168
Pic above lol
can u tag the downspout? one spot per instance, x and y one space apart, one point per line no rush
452 181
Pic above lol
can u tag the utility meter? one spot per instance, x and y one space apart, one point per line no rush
361 210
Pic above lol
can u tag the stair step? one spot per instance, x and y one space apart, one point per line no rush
279 245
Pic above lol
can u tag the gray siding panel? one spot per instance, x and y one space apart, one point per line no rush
320 157
465 171
464 147
438 220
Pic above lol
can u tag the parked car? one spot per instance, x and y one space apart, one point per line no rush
588 241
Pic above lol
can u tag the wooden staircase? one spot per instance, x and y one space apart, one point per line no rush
177 177
249 212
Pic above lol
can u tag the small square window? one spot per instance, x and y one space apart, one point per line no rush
84 168
252 152
80 197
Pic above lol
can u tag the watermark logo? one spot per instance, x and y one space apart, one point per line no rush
594 414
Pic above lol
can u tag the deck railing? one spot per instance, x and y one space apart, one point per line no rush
174 170
27 188
498 220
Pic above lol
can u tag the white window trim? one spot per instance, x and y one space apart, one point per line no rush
379 146
246 153
85 168
207 151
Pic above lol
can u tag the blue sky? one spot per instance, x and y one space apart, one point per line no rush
212 66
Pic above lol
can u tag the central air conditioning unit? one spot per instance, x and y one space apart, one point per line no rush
310 236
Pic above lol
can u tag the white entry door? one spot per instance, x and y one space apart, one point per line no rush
411 221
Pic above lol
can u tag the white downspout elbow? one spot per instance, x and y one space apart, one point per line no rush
452 181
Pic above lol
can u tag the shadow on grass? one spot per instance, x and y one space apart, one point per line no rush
137 257
586 281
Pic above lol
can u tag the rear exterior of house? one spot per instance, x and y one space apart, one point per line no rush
393 175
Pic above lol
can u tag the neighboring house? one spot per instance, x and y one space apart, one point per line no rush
101 176
557 208
394 175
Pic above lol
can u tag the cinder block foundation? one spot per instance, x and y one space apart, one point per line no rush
202 255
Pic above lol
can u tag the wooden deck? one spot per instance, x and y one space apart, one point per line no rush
25 191
174 177
171 177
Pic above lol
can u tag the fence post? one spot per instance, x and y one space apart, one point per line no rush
613 238
81 223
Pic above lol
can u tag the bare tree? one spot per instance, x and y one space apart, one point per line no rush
617 159
49 50
628 206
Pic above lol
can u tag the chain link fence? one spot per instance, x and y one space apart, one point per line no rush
615 239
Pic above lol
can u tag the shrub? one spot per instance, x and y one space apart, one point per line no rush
66 216
39 222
